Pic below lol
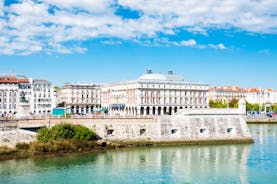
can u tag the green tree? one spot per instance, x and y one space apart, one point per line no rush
217 104
57 88
274 107
249 106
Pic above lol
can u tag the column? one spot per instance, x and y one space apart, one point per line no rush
145 109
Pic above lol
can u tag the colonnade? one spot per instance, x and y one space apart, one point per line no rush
155 110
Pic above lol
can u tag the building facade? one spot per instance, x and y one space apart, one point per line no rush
8 95
11 89
154 94
38 95
260 96
226 93
251 95
80 98
43 98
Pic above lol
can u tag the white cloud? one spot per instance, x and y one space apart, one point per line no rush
111 42
1 7
29 26
220 46
93 6
190 42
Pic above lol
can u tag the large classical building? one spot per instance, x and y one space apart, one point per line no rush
226 93
154 94
43 99
82 98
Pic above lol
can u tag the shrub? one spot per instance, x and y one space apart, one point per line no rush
66 131
22 146
59 146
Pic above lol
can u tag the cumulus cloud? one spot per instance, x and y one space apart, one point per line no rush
190 42
1 7
220 46
30 26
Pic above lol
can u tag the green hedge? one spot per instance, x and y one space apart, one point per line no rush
66 131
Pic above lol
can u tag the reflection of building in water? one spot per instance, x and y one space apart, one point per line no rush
262 132
193 164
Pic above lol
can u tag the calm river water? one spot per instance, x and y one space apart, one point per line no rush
255 163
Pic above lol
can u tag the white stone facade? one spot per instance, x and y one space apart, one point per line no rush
154 94
226 93
80 98
251 95
260 96
43 98
13 90
8 98
36 96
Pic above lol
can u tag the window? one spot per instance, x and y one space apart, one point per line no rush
173 131
202 130
229 130
142 131
110 132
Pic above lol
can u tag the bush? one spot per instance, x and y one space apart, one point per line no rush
22 146
66 131
60 146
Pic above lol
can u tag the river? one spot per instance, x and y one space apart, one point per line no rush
246 163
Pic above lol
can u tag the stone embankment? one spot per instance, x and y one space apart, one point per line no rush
257 120
11 137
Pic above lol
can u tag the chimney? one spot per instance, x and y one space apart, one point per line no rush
170 72
148 71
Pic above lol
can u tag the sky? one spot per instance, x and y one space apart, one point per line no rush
214 42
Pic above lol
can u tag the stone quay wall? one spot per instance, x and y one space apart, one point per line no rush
186 125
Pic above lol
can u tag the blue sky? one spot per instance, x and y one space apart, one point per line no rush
214 42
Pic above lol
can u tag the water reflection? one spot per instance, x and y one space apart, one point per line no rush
263 133
209 164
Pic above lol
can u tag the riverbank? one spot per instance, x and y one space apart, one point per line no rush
261 121
64 147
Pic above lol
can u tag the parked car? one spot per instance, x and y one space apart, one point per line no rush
252 113
271 114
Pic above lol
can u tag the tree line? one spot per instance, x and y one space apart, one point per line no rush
234 104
